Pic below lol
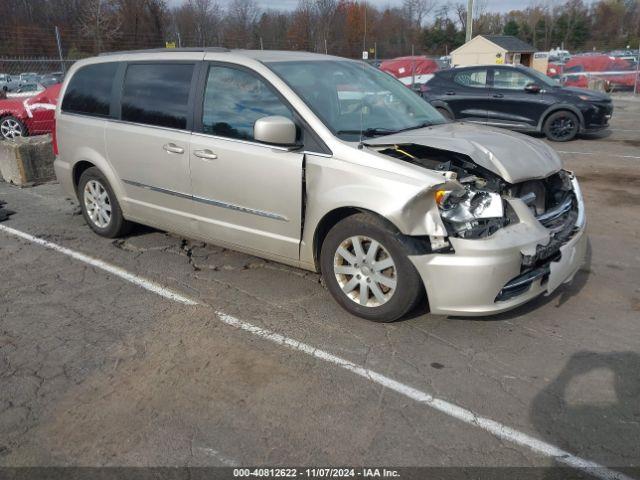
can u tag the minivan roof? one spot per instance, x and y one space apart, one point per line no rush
259 55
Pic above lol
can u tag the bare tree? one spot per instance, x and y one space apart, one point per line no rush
325 13
99 20
205 19
418 10
241 17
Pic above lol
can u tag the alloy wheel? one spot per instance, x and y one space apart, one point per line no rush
365 271
10 128
97 203
562 127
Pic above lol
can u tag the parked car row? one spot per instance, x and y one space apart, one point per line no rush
514 97
20 83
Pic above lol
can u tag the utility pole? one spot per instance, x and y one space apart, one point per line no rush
59 43
364 38
635 85
469 20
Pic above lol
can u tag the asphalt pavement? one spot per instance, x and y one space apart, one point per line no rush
96 370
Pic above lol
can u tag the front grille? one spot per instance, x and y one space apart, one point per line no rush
555 206
565 227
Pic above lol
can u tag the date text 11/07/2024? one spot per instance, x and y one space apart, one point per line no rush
315 473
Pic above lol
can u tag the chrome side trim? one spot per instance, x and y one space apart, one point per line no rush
158 189
258 144
240 208
209 201
147 125
237 140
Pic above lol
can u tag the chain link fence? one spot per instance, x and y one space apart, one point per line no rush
38 52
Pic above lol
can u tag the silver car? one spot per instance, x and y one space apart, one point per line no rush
8 83
323 163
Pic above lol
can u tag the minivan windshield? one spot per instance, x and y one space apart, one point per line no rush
355 100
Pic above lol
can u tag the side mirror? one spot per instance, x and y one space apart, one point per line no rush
276 130
532 88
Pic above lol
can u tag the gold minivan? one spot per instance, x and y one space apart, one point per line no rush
323 163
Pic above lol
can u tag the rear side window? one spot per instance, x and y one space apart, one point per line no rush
89 91
472 78
157 94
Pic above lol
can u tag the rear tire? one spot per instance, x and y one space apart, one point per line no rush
561 126
382 284
100 206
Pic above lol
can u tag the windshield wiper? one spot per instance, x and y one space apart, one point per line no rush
416 127
368 132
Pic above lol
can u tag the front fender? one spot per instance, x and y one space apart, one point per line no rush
405 202
561 106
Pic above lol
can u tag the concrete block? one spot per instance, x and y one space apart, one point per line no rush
27 160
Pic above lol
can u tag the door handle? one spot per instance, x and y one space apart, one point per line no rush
450 93
172 148
206 154
498 95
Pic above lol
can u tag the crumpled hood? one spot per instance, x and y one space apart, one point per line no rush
513 156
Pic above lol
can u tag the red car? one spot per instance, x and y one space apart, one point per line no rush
618 73
416 69
33 116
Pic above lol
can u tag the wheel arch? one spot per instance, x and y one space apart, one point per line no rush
78 170
564 107
86 157
326 223
330 219
443 105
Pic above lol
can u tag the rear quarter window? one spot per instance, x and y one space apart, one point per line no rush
89 90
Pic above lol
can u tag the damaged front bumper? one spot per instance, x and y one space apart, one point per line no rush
489 275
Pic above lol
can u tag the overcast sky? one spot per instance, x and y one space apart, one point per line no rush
492 5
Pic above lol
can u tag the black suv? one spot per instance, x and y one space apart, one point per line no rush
518 98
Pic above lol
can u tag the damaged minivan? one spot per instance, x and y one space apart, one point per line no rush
323 163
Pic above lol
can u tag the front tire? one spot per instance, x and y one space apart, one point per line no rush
100 206
365 266
561 126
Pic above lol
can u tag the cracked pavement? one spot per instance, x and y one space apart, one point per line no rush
95 371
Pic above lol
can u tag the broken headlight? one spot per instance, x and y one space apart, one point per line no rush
471 213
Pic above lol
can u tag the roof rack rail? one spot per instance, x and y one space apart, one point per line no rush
157 50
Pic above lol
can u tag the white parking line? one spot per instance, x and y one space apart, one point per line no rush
497 429
599 153
107 267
